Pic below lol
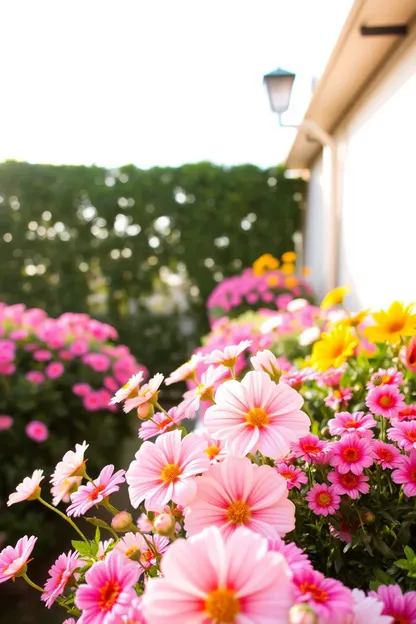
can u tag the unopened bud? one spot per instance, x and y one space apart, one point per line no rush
369 517
122 521
302 614
145 411
325 433
164 524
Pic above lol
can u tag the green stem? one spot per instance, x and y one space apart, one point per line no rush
32 584
66 518
106 503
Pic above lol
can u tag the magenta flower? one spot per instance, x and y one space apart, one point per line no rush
330 600
383 377
349 483
404 433
352 453
331 377
295 477
37 431
358 422
81 389
296 559
401 607
92 401
54 370
35 377
29 489
338 397
134 546
42 355
405 473
108 591
367 610
385 401
161 423
209 579
237 492
323 499
94 493
387 455
5 422
59 575
97 361
13 559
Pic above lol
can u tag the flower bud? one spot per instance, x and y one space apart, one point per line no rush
164 524
122 521
325 433
369 517
145 411
302 614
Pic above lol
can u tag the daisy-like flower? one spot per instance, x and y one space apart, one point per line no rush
308 448
160 423
59 575
295 477
405 473
383 377
408 355
257 414
135 547
237 492
165 470
267 362
64 489
323 499
392 324
95 492
334 348
295 557
407 413
129 390
366 610
329 598
72 465
404 433
13 559
29 489
385 401
330 377
215 448
401 607
108 591
352 453
357 422
147 393
133 615
337 397
334 297
185 371
387 455
295 378
229 355
206 387
349 483
209 579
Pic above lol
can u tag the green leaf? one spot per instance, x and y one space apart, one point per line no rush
410 555
82 547
403 564
97 535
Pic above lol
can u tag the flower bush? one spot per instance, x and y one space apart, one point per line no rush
292 501
57 378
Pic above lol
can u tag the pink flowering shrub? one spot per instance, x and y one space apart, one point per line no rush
57 378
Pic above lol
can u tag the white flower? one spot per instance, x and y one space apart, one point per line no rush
71 464
27 489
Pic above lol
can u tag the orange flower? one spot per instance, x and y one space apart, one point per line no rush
289 256
288 268
265 263
291 282
306 271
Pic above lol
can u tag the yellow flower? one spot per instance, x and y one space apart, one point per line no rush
306 271
334 348
291 281
273 280
334 297
355 320
393 323
289 256
288 268
265 263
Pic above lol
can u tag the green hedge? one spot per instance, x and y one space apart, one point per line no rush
70 232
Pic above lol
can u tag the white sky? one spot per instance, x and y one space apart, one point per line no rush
155 82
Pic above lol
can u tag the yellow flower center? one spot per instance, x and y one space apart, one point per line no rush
108 595
386 401
323 499
318 594
130 551
238 512
222 605
212 451
170 473
257 417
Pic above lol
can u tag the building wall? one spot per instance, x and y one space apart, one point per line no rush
377 152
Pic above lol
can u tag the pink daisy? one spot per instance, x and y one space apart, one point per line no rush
405 473
404 433
37 431
407 413
385 401
295 477
383 377
349 483
129 390
352 453
323 499
29 489
330 600
54 370
237 492
295 557
207 384
338 397
257 414
95 492
209 579
135 547
92 401
165 470
160 423
5 422
401 607
81 389
387 455
13 559
295 378
134 614
35 377
147 393
215 448
72 464
43 355
367 610
331 377
228 357
63 490
267 362
308 448
59 575
108 591
185 371
358 422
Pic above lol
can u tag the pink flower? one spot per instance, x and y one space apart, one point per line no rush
94 493
129 390
72 465
205 389
214 449
92 402
323 499
146 394
358 422
13 559
165 470
37 431
209 579
63 490
97 361
81 389
69 621
185 371
5 422
295 557
338 397
352 453
78 347
401 607
54 370
366 610
229 355
27 490
267 362
382 377
349 483
111 384
65 355
108 591
7 369
331 377
408 355
237 492
405 473
404 433
19 334
42 355
330 600
407 413
257 414
133 615
35 377
161 423
295 378
387 455
59 575
135 547
295 477
385 401
309 448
